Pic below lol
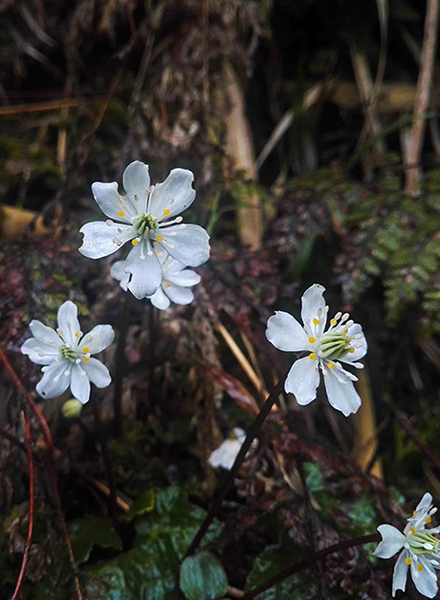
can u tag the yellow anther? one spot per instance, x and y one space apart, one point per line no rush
166 212
85 349
331 366
408 561
311 340
77 334
333 321
168 284
159 238
315 322
414 512
135 242
420 568
352 352
121 213
412 531
345 331
86 359
429 519
312 356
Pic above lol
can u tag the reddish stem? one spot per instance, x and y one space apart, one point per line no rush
27 547
51 463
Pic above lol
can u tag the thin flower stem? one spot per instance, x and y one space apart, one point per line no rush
404 423
51 464
107 462
27 547
153 320
310 560
252 433
120 365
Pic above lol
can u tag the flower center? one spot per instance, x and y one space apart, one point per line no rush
145 224
334 346
422 542
68 354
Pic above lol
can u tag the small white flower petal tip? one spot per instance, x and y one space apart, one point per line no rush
420 550
66 355
147 217
224 456
343 341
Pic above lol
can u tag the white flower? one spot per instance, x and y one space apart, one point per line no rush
176 281
143 216
65 354
225 455
343 341
420 550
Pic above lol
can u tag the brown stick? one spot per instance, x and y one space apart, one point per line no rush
310 560
27 547
51 463
424 86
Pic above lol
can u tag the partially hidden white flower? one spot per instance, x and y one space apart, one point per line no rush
225 455
147 216
343 341
66 355
420 550
176 281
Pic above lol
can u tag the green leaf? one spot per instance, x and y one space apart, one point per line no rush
202 577
92 531
143 504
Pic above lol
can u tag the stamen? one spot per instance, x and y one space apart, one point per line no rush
408 561
121 213
311 340
333 322
135 242
330 365
312 356
136 198
116 241
159 238
109 223
166 212
85 349
428 520
182 226
420 568
86 359
168 284
315 322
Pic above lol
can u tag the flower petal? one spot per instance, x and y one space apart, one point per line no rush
360 344
425 580
184 278
341 392
225 455
146 272
45 334
136 179
39 353
313 306
188 245
400 573
302 380
425 503
68 324
285 333
101 239
160 300
392 541
175 194
99 338
110 201
56 379
118 272
97 372
178 294
80 384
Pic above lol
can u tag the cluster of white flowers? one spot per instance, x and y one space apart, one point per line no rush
420 549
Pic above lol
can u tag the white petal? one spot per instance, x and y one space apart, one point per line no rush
160 300
39 353
313 305
118 272
359 344
80 384
55 380
146 273
400 573
110 201
178 294
184 278
68 324
99 338
425 503
97 372
225 455
285 333
340 392
393 540
175 194
136 179
101 239
302 380
424 581
45 334
189 245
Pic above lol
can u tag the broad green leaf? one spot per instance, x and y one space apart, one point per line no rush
143 504
92 531
202 577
